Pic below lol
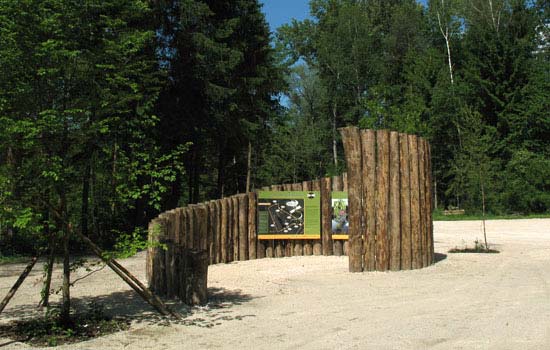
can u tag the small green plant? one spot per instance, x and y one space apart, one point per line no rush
479 247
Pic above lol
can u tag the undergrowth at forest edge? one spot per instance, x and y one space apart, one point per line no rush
49 331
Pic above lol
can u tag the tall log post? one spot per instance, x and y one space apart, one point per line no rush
243 227
235 229
252 234
395 204
422 198
406 255
326 216
430 199
352 146
368 143
224 241
415 203
382 200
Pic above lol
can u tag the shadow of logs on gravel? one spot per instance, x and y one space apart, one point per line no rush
439 257
130 306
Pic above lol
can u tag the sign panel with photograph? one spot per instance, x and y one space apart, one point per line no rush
289 215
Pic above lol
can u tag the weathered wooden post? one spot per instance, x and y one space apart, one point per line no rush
352 147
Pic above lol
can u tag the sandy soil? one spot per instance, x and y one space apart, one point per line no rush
464 301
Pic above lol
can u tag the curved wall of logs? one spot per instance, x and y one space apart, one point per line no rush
390 200
390 203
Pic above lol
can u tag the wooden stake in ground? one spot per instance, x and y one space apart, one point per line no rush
382 199
17 284
352 146
368 145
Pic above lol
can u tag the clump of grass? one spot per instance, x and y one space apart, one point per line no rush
48 330
12 259
478 247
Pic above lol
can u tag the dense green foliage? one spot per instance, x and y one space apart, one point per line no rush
471 76
112 111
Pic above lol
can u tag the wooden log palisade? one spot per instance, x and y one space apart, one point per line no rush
388 181
390 223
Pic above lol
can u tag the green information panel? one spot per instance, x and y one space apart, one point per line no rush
289 215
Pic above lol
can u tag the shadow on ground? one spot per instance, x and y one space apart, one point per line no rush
129 305
439 257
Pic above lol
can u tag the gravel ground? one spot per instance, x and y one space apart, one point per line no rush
464 301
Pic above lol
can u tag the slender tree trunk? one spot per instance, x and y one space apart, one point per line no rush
483 207
85 199
435 192
248 167
113 175
445 34
65 314
221 172
334 133
49 264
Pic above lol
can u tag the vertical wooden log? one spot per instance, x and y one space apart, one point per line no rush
337 246
252 234
235 229
153 239
415 203
326 216
269 250
287 187
430 199
395 204
160 280
422 206
177 224
279 250
382 200
274 188
288 247
211 232
368 143
260 252
202 229
224 241
345 181
406 255
243 227
169 254
352 146
308 248
189 227
196 274
219 231
298 249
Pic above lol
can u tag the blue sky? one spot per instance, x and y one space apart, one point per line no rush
279 12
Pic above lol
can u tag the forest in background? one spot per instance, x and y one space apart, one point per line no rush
115 110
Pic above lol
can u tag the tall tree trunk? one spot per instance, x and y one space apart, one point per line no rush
221 172
248 166
49 264
65 314
334 134
85 198
113 175
435 192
